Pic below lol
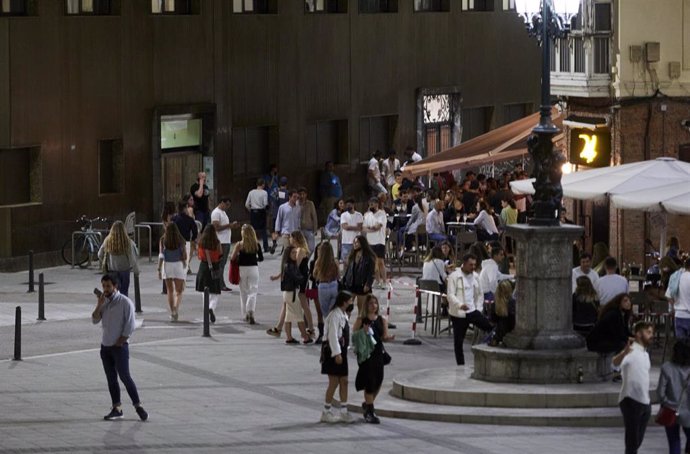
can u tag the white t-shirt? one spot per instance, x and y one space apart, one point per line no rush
374 169
635 371
610 286
370 221
681 305
351 219
389 169
224 236
592 275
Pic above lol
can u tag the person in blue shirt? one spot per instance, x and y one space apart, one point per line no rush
330 188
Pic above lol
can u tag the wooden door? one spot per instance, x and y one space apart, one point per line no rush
179 171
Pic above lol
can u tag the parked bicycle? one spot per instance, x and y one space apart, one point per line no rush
81 249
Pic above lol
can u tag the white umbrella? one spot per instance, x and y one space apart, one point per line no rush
661 184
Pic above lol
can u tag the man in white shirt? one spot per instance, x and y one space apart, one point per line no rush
411 155
465 301
490 275
256 204
388 167
611 285
374 174
351 223
585 269
375 221
680 298
220 220
633 399
288 219
435 228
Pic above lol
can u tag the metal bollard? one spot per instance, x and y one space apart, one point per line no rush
18 334
137 295
207 321
31 272
41 298
413 340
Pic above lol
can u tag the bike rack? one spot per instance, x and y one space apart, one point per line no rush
77 233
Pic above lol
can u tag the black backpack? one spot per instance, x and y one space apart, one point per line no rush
292 278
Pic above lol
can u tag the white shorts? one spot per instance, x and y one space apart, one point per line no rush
175 270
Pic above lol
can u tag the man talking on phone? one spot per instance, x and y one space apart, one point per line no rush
115 312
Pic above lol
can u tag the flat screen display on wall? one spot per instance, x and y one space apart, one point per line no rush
180 134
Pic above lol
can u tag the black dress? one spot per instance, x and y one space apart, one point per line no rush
370 373
610 334
329 366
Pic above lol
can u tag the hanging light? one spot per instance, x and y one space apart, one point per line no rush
567 168
528 9
566 9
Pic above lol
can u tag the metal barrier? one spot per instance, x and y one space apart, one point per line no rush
18 334
41 298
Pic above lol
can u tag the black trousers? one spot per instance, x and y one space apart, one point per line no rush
460 326
258 221
635 418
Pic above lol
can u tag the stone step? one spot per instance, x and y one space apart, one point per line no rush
453 386
389 406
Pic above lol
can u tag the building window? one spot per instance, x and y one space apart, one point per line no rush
477 5
14 8
602 17
326 141
579 51
476 121
255 6
378 6
508 5
325 6
564 54
426 6
377 133
90 7
602 63
111 166
437 115
20 176
252 148
175 7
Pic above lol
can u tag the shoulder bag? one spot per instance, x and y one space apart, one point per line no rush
667 415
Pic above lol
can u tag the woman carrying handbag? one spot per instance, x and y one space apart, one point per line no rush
674 412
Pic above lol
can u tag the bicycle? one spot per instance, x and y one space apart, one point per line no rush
83 249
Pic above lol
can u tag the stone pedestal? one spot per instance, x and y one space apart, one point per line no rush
543 348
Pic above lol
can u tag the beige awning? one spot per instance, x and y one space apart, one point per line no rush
501 144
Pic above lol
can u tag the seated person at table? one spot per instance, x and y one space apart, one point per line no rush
503 312
585 269
404 204
678 293
434 268
611 284
451 214
585 306
485 223
395 187
610 334
435 227
490 275
417 218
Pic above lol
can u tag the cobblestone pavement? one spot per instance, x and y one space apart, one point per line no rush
239 391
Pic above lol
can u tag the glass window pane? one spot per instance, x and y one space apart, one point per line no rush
5 6
602 17
72 6
156 6
87 6
237 6
320 5
249 5
169 6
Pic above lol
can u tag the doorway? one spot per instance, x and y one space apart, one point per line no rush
178 172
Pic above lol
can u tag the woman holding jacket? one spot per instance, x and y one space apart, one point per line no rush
673 393
359 271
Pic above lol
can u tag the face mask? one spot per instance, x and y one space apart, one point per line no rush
373 210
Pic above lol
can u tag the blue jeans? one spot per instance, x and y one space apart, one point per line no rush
345 251
309 236
682 328
123 279
437 237
673 437
204 217
116 362
328 291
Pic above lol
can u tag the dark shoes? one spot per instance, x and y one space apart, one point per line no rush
142 413
113 415
369 415
211 316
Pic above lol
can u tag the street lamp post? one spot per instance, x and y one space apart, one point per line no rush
546 20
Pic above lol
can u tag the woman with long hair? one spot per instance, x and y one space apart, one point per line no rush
173 256
298 241
370 372
485 223
585 306
334 357
359 271
326 273
611 333
291 279
673 392
118 253
210 251
503 311
248 255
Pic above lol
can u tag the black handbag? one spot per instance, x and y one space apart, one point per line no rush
325 352
386 358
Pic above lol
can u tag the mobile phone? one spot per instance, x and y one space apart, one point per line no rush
97 292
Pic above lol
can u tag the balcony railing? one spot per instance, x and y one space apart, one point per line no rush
581 65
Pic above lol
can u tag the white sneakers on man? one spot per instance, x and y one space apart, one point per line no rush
328 417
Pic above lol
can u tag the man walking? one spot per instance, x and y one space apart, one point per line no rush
220 220
308 220
188 228
465 300
633 399
288 219
256 204
200 193
115 312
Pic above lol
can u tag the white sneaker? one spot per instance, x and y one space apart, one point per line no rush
346 418
328 417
